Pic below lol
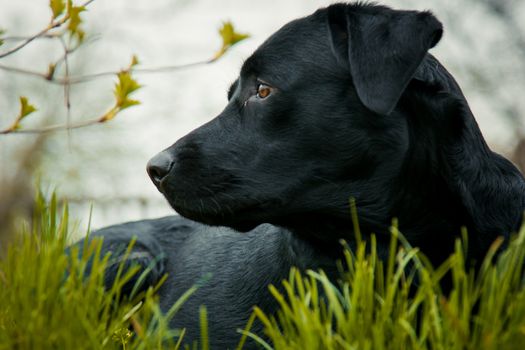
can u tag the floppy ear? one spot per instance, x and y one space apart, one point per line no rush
382 49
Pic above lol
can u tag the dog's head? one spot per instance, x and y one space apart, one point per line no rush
312 112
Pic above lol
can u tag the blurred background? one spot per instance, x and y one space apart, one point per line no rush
104 165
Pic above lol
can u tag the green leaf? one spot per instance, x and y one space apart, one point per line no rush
229 38
125 86
57 7
25 108
128 103
75 21
51 71
134 61
2 32
229 35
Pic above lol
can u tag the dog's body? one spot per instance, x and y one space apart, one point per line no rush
345 103
233 270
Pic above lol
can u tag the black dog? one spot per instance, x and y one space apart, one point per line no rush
345 103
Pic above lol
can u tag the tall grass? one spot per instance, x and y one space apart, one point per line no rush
399 304
47 301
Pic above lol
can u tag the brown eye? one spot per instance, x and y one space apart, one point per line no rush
263 91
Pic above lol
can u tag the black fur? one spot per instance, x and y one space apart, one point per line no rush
358 109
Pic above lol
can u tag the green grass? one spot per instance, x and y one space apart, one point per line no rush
397 304
400 305
45 307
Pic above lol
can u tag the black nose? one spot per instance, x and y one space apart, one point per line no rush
159 166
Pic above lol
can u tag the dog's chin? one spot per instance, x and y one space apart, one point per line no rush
218 220
213 217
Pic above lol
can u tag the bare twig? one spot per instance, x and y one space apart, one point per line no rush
56 127
71 80
24 38
87 3
43 32
161 69
67 86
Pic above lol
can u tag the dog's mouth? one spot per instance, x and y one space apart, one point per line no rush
223 209
217 210
216 198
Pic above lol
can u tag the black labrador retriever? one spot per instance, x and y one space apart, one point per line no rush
344 103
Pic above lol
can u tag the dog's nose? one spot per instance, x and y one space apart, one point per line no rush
159 166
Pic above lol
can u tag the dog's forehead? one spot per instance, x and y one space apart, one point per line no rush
297 45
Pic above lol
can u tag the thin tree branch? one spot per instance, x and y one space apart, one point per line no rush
67 87
54 24
24 38
56 127
228 35
161 69
65 80
38 35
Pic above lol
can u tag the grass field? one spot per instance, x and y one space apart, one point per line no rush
48 302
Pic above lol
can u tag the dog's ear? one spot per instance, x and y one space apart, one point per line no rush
382 49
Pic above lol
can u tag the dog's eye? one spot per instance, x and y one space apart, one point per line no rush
263 91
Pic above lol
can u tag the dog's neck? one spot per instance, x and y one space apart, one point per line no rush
447 171
435 190
422 192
